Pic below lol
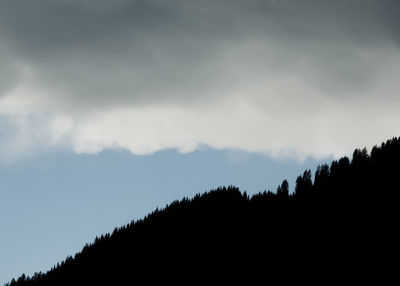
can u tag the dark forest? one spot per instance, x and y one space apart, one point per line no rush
341 218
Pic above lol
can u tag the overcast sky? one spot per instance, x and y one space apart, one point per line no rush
282 78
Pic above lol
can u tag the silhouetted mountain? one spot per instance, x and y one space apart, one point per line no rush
343 220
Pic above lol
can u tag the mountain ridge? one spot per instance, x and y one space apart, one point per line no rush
349 213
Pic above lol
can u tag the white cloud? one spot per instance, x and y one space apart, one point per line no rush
282 116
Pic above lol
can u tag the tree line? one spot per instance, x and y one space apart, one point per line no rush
348 211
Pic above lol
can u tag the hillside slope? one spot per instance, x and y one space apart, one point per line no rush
348 215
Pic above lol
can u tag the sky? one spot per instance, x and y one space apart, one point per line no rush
188 94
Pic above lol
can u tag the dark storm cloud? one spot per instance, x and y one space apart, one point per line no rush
107 52
154 74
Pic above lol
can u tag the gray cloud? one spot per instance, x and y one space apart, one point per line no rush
77 58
